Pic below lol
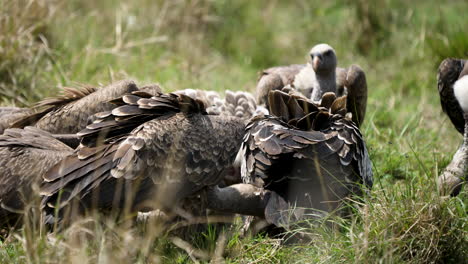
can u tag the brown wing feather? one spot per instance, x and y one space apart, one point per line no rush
356 85
135 111
68 94
70 112
341 74
275 78
47 105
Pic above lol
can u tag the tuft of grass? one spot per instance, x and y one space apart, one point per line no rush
24 48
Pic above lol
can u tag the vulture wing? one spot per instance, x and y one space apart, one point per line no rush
450 70
313 162
356 86
275 78
69 112
156 151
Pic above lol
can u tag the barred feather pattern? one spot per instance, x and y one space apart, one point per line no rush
235 103
164 146
304 148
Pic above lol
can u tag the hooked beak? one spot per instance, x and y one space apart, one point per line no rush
316 61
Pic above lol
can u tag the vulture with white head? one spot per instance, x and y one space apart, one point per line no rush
311 155
452 81
150 152
25 155
317 77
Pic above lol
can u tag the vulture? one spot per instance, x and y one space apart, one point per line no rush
151 151
25 155
452 71
313 156
316 78
452 81
69 112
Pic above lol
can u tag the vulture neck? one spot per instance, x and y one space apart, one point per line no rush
326 82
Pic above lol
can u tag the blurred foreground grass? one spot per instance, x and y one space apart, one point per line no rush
219 45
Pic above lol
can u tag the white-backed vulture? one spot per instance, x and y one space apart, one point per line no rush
311 155
320 75
453 90
450 71
149 152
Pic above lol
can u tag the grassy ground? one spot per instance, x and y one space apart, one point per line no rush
219 45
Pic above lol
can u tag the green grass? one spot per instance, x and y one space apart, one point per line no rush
219 45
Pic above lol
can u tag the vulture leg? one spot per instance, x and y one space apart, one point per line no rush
452 179
239 198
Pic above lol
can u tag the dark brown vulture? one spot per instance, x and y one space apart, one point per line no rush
316 78
25 155
69 112
149 152
451 71
452 82
311 155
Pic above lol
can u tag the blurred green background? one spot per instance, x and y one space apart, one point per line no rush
219 45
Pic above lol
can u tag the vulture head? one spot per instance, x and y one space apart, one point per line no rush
323 59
